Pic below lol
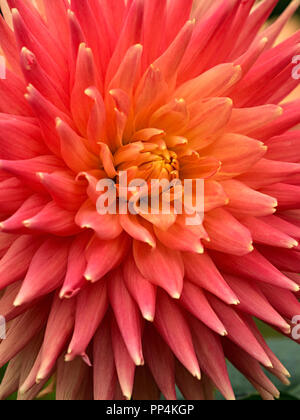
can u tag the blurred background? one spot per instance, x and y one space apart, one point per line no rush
281 6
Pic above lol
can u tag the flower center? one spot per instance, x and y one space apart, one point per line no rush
146 160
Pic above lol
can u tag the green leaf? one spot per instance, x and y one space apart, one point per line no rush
283 397
288 353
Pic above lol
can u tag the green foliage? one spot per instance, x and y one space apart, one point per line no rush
2 371
288 353
283 397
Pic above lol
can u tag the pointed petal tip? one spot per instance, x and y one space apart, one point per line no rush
268 363
280 111
286 382
229 394
264 147
251 247
197 375
235 302
138 46
127 395
58 122
26 223
296 287
68 294
148 317
39 378
199 249
286 329
62 294
89 278
86 360
40 175
229 102
90 92
68 358
139 361
22 391
291 244
18 302
85 226
150 243
30 87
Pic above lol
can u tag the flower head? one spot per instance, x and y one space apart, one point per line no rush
130 304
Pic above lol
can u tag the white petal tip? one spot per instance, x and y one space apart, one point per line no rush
236 302
40 175
151 244
39 378
287 373
139 361
17 303
197 375
148 317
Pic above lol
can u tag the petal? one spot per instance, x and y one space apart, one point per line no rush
91 306
255 267
124 364
161 266
173 327
238 332
161 362
39 280
104 366
59 327
127 316
104 256
194 300
211 358
201 270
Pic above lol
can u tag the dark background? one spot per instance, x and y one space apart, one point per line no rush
281 6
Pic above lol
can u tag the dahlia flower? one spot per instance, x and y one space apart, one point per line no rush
120 306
